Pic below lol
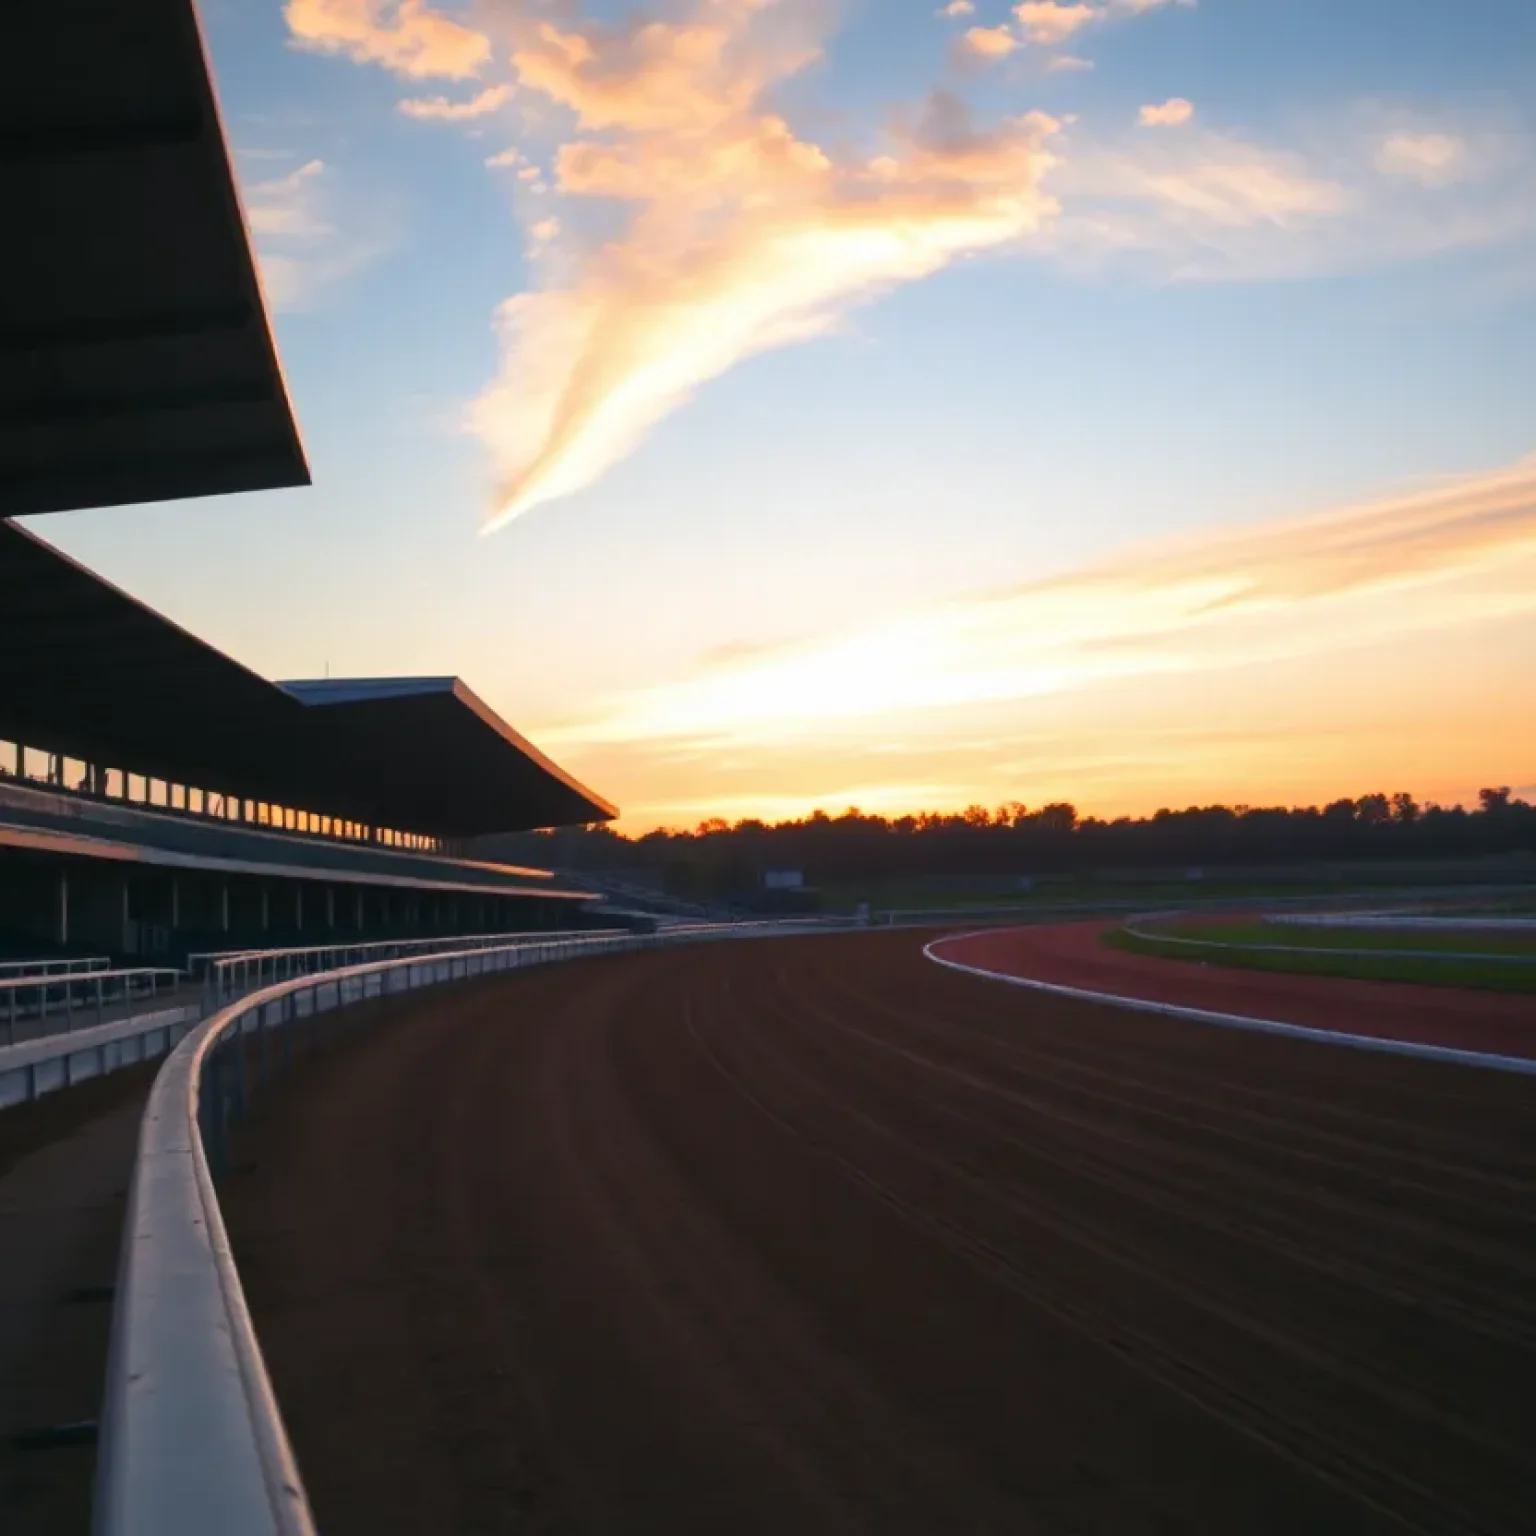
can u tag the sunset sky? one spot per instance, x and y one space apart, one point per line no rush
771 404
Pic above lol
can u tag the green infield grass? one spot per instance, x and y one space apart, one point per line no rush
1400 965
1462 941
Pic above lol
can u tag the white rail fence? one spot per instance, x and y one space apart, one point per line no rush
53 1062
201 961
53 1037
191 1439
54 967
32 1005
228 974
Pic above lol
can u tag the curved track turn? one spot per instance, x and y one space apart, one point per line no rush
816 1236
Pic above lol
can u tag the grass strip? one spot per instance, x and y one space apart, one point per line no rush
1489 976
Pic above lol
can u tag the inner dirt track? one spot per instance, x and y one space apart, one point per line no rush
814 1235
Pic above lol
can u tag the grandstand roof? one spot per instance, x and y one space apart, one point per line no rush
431 729
90 672
136 363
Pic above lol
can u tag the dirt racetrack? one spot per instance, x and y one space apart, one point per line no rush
814 1236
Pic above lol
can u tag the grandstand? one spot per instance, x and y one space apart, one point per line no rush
159 798
156 797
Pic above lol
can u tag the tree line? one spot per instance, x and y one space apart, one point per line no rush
1013 839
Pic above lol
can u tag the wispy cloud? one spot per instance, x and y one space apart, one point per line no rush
988 42
1211 204
301 247
1433 159
295 240
735 234
956 8
441 109
288 206
1456 553
1048 22
405 36
1167 114
698 225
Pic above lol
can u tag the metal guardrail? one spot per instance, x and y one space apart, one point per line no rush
191 1438
54 967
227 973
201 960
50 1063
76 999
44 1063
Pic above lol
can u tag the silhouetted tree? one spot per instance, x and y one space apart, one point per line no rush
1010 840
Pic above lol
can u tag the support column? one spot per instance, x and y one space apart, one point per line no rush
224 906
62 928
330 907
298 908
265 913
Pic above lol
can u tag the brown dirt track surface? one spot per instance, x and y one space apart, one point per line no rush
1073 955
814 1236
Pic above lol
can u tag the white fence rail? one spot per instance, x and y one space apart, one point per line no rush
200 961
191 1439
228 974
54 967
53 1062
75 999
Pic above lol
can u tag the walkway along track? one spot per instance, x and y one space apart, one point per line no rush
814 1235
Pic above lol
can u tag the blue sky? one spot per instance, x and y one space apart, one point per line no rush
1040 346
